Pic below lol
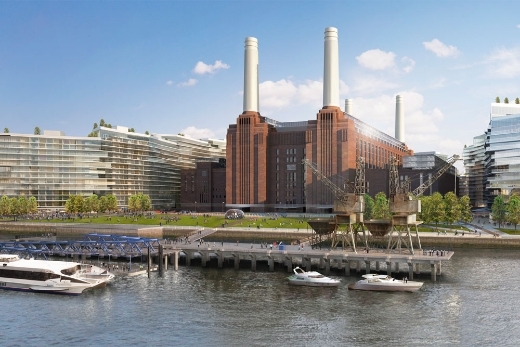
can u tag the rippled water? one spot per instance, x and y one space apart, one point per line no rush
475 303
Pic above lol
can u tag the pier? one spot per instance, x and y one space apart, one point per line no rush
168 252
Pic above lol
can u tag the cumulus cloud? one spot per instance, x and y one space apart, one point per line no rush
370 85
376 59
196 133
201 68
409 64
188 83
169 83
440 49
518 26
505 63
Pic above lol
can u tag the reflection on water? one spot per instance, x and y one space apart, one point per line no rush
473 304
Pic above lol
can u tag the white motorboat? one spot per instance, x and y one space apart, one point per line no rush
45 276
385 283
311 278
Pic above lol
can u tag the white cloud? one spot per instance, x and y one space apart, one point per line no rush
376 59
440 83
202 68
277 94
196 133
370 85
169 83
505 63
518 26
410 64
440 49
188 83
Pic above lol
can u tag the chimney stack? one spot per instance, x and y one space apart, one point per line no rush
251 75
399 119
348 106
331 69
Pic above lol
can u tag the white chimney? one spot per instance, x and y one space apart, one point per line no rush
399 119
331 69
348 106
251 74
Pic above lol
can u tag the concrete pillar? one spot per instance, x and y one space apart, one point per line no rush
165 262
327 266
289 264
253 263
377 266
434 272
439 268
397 267
418 268
176 261
339 263
308 264
270 262
237 261
389 268
220 261
367 266
322 263
347 268
203 259
410 271
188 259
358 266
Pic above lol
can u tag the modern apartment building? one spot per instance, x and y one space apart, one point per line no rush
53 166
492 163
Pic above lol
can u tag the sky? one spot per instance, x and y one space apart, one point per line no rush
171 67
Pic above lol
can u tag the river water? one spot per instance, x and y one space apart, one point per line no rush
474 303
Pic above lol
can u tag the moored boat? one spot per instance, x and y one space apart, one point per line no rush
45 276
311 278
385 283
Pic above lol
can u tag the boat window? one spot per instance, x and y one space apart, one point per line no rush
70 271
28 275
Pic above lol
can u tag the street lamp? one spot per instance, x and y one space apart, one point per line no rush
195 207
222 206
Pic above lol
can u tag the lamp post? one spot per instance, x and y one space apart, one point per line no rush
195 207
222 206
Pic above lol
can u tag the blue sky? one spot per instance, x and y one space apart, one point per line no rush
177 66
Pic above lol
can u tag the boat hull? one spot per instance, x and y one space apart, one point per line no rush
409 286
313 284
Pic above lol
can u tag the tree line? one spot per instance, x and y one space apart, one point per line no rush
503 211
435 209
17 206
107 203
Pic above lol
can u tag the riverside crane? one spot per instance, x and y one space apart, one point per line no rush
404 205
348 206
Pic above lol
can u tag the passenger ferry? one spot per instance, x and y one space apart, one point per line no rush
45 276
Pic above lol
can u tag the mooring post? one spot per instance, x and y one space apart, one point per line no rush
327 266
176 260
237 261
367 266
149 260
347 268
289 264
253 263
160 259
377 266
434 271
410 270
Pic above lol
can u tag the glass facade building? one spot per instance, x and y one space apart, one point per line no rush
502 156
473 156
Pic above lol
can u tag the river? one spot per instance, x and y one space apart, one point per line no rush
474 303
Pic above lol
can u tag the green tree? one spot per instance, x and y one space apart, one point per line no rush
23 205
111 203
451 208
32 205
13 206
75 204
102 122
381 209
436 209
5 206
37 131
369 206
6 130
133 203
91 204
139 202
146 132
465 209
513 210
506 101
517 101
103 204
498 210
95 126
497 100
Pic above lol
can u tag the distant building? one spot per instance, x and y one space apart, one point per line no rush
264 170
203 188
492 163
